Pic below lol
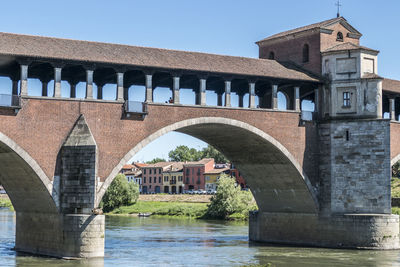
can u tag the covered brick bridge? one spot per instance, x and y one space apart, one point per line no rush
59 153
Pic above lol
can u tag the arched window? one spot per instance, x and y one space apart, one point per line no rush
339 37
306 53
271 55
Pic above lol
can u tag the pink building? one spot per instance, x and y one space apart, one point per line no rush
152 176
193 173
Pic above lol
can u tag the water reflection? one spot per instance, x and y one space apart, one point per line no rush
133 241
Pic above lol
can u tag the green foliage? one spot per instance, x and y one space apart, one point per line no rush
395 186
184 153
6 203
230 202
155 160
396 170
396 210
211 152
119 193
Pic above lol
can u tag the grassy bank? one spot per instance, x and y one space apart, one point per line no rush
174 209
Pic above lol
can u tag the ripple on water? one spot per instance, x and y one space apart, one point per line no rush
132 241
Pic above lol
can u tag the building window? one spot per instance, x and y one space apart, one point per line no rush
159 180
187 171
187 180
306 53
144 171
159 171
339 37
144 180
271 55
346 99
155 179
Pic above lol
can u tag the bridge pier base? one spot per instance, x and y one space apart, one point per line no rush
362 231
60 235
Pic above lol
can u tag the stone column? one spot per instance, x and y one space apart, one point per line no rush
175 89
316 100
15 87
24 80
392 109
149 88
219 99
120 86
57 82
252 95
72 93
241 95
44 87
89 84
296 99
227 93
274 97
100 91
202 91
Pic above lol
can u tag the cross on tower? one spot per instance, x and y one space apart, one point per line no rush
338 8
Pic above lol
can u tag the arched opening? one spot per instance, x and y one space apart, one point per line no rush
339 37
271 55
134 84
306 52
27 186
162 84
283 101
276 179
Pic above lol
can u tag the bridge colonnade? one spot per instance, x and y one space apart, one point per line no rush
264 90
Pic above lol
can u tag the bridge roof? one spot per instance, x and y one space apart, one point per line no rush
18 45
391 85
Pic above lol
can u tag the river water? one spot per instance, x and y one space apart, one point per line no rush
133 241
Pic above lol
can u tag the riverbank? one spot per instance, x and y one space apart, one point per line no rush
166 209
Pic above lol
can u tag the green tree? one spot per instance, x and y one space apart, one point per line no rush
211 152
155 160
396 170
119 193
229 200
184 153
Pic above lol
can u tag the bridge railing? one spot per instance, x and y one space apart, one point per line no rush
7 100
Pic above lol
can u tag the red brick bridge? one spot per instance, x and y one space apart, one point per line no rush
58 153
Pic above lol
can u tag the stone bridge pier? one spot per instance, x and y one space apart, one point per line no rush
354 202
67 226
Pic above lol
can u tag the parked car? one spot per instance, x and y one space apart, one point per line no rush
211 191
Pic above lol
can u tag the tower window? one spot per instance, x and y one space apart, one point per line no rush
271 55
339 37
306 53
346 99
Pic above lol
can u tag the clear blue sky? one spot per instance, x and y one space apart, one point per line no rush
214 26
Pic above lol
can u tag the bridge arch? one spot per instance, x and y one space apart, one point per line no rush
276 179
28 187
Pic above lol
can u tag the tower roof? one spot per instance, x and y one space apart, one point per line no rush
319 25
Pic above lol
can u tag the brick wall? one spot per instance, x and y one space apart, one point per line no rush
291 49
